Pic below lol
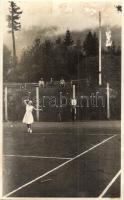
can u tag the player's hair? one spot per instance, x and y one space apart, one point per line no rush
30 101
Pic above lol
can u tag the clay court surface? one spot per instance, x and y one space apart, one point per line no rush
67 159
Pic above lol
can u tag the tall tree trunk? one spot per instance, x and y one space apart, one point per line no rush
14 49
13 41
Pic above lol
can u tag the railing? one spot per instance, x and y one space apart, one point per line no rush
47 83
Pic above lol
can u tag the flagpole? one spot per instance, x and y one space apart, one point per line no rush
100 47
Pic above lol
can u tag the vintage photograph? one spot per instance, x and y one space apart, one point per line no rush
62 98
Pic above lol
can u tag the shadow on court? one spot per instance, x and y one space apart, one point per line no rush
27 157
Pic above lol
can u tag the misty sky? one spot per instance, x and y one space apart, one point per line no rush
72 14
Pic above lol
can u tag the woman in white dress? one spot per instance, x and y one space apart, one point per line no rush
28 117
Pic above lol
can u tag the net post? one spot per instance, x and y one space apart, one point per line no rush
108 102
74 102
37 103
73 91
6 103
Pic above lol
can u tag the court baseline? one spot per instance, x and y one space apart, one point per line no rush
42 157
51 133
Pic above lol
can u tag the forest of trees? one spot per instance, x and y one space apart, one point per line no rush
58 58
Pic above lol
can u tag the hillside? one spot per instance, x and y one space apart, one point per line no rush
25 38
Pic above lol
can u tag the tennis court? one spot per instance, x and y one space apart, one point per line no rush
67 159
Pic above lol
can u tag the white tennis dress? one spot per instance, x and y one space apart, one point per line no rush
28 117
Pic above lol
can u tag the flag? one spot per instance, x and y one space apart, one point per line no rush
108 38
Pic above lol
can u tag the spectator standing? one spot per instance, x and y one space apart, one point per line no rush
62 83
41 83
51 82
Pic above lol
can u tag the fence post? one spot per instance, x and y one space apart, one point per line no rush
74 102
37 103
73 92
6 103
108 102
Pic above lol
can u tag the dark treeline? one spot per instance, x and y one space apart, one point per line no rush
59 58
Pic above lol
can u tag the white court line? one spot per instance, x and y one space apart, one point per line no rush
58 167
110 184
54 133
99 134
44 157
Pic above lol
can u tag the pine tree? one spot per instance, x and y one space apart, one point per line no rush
68 39
95 47
113 49
14 24
118 50
90 44
58 41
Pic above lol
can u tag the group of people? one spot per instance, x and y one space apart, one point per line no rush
51 82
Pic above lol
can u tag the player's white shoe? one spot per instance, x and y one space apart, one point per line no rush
30 130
